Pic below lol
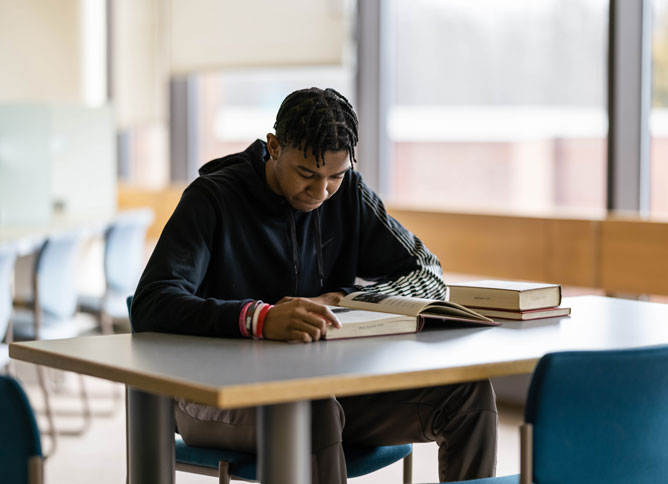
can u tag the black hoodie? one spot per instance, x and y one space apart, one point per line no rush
231 240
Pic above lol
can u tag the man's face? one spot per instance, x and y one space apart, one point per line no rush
299 180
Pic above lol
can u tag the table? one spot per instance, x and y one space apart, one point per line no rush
27 238
281 378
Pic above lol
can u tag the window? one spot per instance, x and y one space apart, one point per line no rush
659 114
499 105
237 107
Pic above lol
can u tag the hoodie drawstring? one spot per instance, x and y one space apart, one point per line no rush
318 247
295 251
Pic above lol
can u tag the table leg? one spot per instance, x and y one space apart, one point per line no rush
284 443
150 429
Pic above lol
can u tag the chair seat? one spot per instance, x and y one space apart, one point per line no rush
365 460
114 305
514 479
359 460
240 464
51 327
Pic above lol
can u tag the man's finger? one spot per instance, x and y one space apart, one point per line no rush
323 311
297 335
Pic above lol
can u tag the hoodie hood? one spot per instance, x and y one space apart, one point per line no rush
247 172
256 154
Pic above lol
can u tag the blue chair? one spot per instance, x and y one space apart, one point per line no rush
124 243
54 307
54 304
21 457
228 464
596 416
7 258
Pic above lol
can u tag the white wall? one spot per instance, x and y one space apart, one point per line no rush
55 156
40 50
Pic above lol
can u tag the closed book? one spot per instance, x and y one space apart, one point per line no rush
372 314
513 295
525 315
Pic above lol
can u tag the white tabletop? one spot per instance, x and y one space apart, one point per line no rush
235 373
27 238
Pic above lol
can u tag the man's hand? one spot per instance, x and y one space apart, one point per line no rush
329 298
299 319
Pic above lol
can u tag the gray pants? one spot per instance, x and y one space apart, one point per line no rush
461 419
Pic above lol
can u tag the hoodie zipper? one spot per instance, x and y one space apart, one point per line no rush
295 250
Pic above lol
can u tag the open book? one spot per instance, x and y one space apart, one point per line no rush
372 314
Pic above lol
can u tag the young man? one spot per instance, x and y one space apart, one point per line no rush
261 242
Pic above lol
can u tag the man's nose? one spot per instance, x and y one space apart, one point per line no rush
318 189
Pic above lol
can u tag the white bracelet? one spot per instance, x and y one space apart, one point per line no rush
256 315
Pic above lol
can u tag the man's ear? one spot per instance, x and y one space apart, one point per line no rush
273 146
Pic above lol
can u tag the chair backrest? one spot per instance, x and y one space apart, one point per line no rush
19 435
56 273
600 416
124 250
7 258
128 301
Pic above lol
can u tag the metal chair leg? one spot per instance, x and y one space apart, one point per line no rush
106 322
47 408
408 468
526 453
35 469
85 403
223 472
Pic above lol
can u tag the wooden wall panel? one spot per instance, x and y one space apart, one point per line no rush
571 256
504 247
623 256
163 202
634 256
531 248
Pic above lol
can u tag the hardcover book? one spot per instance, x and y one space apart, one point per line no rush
525 315
515 296
372 314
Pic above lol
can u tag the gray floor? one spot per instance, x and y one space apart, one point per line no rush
99 455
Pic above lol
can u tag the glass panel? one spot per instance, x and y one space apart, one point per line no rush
499 105
237 107
659 116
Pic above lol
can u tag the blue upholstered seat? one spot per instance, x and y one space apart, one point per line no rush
359 460
20 445
514 479
598 416
365 460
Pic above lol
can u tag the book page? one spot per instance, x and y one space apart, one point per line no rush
449 307
410 306
348 315
371 301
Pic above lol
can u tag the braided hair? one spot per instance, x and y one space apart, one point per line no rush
322 120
